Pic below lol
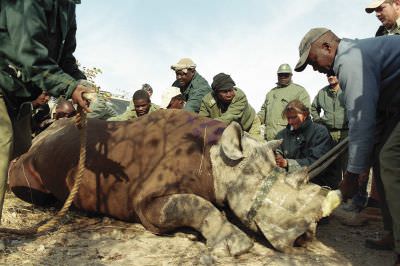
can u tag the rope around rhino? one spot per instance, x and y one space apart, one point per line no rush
50 224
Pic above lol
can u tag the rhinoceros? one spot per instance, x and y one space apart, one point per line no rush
172 169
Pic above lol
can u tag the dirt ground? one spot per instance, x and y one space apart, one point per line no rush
85 240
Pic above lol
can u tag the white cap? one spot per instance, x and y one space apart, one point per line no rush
167 96
374 4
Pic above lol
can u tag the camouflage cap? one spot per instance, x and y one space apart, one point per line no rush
374 4
184 63
305 46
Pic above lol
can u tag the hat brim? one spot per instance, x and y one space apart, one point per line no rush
372 6
302 63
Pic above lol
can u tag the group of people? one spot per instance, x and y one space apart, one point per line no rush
362 100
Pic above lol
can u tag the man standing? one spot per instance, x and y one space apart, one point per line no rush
388 12
228 103
330 99
369 74
36 53
277 99
141 105
193 86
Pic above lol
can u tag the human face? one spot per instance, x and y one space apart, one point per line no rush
332 80
226 96
42 99
284 78
142 106
321 58
386 13
184 78
295 119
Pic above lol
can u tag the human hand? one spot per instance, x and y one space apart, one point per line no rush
79 98
349 185
280 161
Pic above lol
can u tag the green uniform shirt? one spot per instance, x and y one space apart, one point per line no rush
275 101
101 109
130 114
239 109
37 41
194 92
333 105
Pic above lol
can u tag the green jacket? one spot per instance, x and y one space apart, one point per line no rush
275 101
305 145
37 41
333 104
130 114
239 110
194 92
101 109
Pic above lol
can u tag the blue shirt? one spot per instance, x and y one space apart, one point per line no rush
365 69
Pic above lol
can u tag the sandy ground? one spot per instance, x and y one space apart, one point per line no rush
85 240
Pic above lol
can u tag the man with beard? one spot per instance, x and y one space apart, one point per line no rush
277 99
228 103
369 74
141 105
193 86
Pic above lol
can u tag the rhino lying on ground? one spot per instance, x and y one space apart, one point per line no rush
170 169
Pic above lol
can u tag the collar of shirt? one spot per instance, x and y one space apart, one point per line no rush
392 31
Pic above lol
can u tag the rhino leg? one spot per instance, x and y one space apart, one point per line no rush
188 210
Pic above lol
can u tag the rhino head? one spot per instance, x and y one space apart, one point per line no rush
264 197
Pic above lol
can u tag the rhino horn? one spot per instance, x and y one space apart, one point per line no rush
274 144
231 141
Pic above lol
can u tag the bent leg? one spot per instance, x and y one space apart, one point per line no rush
189 210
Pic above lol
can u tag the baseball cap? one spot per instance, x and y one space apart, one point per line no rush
167 95
305 46
374 4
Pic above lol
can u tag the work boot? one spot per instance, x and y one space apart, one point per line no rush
385 243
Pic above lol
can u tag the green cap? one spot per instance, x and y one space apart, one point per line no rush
305 46
284 68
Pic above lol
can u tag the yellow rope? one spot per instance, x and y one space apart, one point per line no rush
40 229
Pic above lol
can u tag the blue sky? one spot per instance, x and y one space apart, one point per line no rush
135 42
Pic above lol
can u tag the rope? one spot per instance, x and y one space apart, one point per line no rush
40 229
322 163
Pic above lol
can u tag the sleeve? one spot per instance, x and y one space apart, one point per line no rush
320 144
304 97
68 61
262 113
360 80
194 100
316 109
27 27
204 110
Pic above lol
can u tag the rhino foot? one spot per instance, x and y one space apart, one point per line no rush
229 241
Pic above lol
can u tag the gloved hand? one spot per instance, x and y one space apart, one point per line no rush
349 185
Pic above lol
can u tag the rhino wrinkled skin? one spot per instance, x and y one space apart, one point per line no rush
171 169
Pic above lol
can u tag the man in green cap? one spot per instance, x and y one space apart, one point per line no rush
141 106
369 74
388 13
228 103
276 100
37 42
193 86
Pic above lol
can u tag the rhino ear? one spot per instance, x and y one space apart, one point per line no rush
274 144
231 141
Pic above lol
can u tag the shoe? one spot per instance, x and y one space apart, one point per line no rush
385 243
